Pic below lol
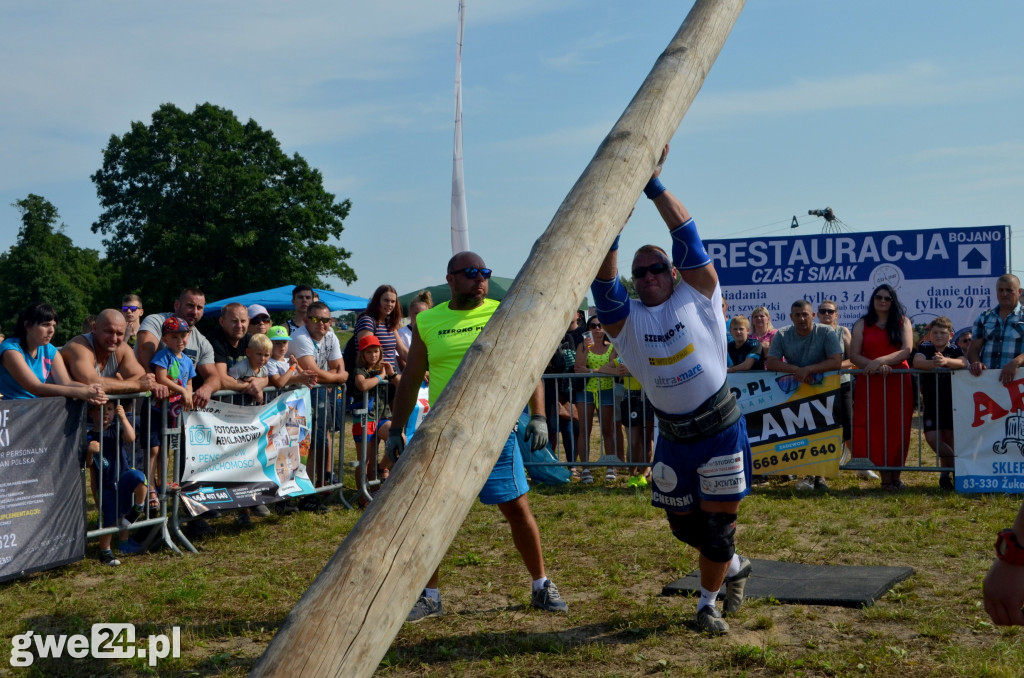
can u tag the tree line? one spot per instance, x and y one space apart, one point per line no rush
197 199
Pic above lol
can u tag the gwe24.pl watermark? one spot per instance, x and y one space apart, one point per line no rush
106 641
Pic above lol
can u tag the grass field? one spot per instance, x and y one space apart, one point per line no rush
610 553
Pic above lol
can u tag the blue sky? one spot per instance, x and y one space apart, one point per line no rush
898 115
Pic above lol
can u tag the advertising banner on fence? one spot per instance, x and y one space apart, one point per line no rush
42 524
943 271
238 456
988 433
792 427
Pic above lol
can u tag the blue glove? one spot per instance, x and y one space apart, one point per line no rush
537 432
395 445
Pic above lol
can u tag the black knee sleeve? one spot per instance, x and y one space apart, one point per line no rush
689 528
719 545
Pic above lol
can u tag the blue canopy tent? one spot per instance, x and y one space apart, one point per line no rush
280 299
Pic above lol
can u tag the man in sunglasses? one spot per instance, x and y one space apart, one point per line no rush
131 309
443 335
318 352
674 340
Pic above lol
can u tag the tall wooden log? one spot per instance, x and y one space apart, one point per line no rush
344 624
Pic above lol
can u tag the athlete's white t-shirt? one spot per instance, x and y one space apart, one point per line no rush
677 350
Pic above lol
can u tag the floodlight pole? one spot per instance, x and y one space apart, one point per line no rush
344 624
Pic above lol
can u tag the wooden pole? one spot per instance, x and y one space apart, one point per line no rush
344 624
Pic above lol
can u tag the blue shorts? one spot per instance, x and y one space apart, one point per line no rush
508 477
117 497
607 397
713 469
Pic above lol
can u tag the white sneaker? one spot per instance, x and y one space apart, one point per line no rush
868 474
804 484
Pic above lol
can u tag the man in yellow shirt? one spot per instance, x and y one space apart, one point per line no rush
443 335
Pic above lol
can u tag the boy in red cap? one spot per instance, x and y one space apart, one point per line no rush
372 375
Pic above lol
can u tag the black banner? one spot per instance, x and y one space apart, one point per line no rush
42 514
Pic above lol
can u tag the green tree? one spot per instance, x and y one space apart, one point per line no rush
200 199
44 265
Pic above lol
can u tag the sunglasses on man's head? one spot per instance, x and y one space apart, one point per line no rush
125 309
322 321
656 269
472 273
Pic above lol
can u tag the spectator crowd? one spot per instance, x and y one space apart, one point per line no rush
588 388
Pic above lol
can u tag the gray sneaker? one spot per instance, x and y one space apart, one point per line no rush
735 585
261 510
548 598
425 607
709 619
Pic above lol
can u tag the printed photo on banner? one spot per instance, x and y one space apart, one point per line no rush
792 426
238 456
988 433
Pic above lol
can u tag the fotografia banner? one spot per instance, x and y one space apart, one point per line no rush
42 524
943 271
988 433
792 426
238 456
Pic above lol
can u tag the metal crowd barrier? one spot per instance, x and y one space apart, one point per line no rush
325 463
626 433
137 408
571 441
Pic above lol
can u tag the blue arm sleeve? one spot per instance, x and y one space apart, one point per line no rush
611 300
687 249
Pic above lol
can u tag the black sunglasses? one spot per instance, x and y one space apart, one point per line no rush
656 269
125 309
879 297
472 273
830 311
322 321
594 326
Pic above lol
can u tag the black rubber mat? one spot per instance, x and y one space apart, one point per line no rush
839 585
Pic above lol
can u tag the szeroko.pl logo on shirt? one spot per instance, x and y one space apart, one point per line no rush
106 641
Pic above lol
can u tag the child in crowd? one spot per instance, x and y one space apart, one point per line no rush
257 357
282 370
744 353
937 391
372 375
174 370
120 489
257 354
